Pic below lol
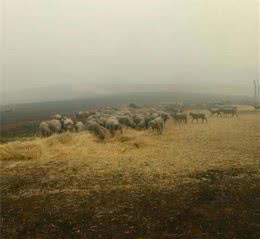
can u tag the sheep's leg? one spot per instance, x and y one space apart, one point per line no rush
160 130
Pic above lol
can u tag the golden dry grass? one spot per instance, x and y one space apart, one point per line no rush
73 166
181 150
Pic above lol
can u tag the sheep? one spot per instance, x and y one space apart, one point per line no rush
113 125
180 117
157 124
155 115
141 125
197 116
45 130
138 118
229 110
99 131
102 121
126 121
79 126
164 115
49 127
214 111
67 124
83 115
54 125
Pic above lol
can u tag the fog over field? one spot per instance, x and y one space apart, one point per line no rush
68 49
129 119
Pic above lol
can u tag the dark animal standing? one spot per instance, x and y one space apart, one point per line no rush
180 117
215 111
229 111
157 124
197 116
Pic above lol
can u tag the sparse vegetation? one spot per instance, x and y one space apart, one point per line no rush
193 181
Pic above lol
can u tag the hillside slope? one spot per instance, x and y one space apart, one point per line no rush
194 181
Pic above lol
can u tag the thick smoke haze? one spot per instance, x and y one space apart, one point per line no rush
98 43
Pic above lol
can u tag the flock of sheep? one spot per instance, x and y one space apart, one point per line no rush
106 122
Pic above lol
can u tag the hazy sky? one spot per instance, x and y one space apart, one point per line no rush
49 42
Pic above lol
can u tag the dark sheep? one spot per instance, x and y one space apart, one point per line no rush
229 110
197 116
180 118
215 111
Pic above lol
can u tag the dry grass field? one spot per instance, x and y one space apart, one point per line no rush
194 181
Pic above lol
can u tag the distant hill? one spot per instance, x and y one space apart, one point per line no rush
43 110
79 91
